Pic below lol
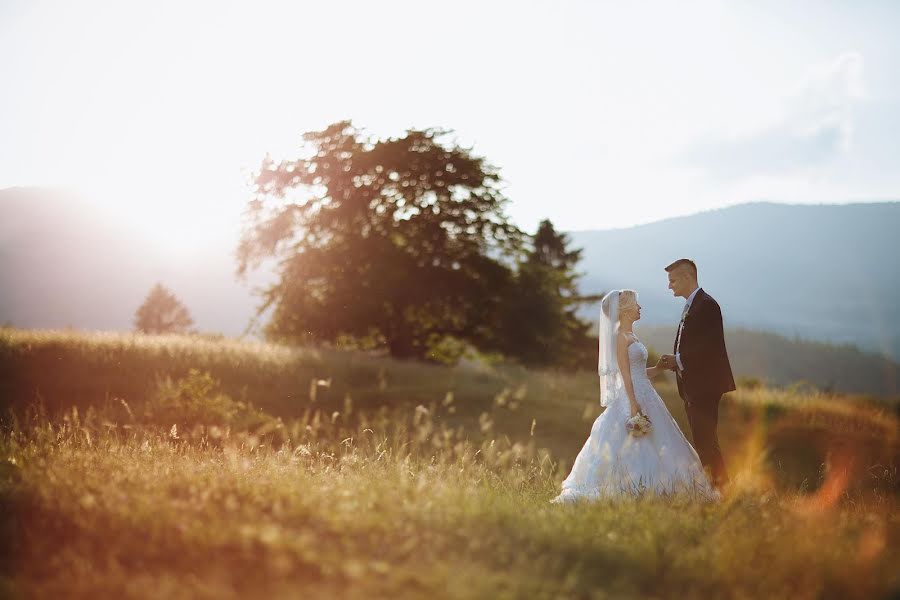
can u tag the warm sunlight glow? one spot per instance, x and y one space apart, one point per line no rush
174 107
338 299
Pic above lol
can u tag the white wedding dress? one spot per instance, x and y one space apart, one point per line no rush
615 464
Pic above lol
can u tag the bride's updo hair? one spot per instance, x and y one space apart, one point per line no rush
627 302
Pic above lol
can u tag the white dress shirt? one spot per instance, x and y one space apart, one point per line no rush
687 307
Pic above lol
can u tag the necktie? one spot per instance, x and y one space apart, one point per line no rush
680 327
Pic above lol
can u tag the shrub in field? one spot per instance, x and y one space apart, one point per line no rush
750 383
195 400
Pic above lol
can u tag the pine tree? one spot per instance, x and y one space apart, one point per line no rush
162 312
541 325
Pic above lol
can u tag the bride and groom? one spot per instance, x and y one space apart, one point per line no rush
624 454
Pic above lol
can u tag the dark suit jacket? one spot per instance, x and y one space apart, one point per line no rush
707 372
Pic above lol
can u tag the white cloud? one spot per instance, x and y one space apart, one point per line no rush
827 96
816 125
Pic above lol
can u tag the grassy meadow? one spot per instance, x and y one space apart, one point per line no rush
137 466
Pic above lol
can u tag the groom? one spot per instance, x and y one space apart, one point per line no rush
701 364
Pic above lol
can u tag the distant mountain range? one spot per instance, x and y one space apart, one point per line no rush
780 361
827 273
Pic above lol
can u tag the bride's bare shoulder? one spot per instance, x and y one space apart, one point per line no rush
624 339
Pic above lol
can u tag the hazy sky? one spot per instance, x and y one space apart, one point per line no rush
599 114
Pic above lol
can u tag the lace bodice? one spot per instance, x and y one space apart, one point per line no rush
637 357
643 388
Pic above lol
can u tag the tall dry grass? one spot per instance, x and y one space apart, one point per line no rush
435 485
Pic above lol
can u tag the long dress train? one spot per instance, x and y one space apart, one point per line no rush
613 463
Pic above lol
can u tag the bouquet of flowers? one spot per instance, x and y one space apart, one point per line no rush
638 425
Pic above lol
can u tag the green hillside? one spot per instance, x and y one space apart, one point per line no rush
781 361
550 410
181 467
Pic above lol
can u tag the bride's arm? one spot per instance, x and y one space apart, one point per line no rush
625 370
656 369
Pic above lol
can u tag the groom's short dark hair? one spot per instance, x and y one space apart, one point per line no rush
683 262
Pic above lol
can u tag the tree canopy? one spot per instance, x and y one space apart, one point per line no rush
403 243
394 242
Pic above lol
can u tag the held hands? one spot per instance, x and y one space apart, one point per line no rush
667 362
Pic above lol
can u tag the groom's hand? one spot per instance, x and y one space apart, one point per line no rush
667 361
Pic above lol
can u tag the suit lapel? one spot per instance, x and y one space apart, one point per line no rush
695 304
698 300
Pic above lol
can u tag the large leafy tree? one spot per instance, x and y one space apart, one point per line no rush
395 242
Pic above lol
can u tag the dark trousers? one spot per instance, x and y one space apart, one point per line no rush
703 417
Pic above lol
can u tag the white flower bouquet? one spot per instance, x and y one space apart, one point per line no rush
638 425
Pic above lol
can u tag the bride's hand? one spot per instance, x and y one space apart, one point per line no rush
635 409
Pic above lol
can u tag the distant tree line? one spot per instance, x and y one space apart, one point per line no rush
403 244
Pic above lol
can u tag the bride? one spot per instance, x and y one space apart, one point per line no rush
615 462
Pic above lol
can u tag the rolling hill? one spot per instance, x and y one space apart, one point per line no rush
828 272
823 273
